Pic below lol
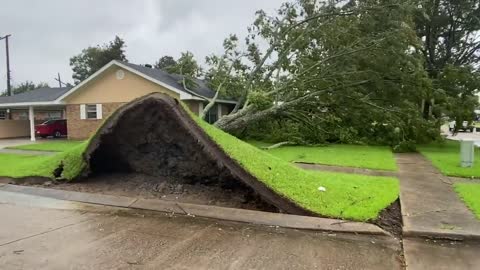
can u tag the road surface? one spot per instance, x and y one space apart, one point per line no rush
41 233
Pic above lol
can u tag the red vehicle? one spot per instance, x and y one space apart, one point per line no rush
55 128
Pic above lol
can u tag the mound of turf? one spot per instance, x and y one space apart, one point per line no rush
336 195
347 196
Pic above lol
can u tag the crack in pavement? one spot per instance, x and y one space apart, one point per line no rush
42 233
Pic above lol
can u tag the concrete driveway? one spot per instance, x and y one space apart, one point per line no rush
14 142
466 136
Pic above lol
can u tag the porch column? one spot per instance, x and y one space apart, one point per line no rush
31 117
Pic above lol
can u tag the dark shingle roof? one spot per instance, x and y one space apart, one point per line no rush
44 94
174 80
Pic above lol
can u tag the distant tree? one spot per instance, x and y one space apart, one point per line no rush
164 62
25 87
91 59
451 50
188 67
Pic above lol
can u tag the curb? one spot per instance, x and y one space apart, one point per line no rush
206 211
453 236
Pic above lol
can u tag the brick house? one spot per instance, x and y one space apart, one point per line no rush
88 103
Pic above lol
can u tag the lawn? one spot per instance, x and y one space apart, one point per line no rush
470 194
18 166
359 156
446 157
335 195
51 146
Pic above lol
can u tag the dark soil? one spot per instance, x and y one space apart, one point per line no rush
157 187
156 138
390 219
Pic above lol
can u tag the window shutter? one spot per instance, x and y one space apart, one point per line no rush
99 111
83 112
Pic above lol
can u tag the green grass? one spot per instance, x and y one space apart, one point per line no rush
446 157
347 196
52 146
17 166
470 194
359 156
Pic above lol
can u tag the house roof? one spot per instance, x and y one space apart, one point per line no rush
160 77
174 80
52 96
43 94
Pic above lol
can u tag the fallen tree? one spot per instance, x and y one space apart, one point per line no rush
344 73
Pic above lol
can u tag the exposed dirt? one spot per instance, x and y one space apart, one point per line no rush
158 187
390 219
154 136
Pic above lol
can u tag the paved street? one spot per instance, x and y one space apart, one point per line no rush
41 233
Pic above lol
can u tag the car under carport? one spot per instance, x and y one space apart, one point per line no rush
20 113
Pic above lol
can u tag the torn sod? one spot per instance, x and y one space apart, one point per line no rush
156 135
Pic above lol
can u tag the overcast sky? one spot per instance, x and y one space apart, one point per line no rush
45 34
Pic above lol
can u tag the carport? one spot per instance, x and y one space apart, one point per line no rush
18 113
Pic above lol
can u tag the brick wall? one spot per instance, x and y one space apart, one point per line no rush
80 129
193 105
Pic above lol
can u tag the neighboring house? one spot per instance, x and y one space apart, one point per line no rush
88 103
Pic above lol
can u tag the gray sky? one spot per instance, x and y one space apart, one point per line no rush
45 34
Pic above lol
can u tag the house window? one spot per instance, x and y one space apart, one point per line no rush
54 115
3 115
212 114
23 116
91 111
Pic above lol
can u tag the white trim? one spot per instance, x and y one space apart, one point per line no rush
219 110
182 93
226 101
217 101
83 111
31 118
71 91
99 111
28 104
200 108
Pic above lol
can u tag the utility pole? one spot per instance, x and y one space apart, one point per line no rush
9 88
59 80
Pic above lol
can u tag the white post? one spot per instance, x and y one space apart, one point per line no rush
31 117
467 153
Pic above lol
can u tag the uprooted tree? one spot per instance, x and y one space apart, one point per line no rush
330 71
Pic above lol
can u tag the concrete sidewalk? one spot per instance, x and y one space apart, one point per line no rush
430 206
27 152
343 169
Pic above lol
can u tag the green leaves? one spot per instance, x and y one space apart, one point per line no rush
92 59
